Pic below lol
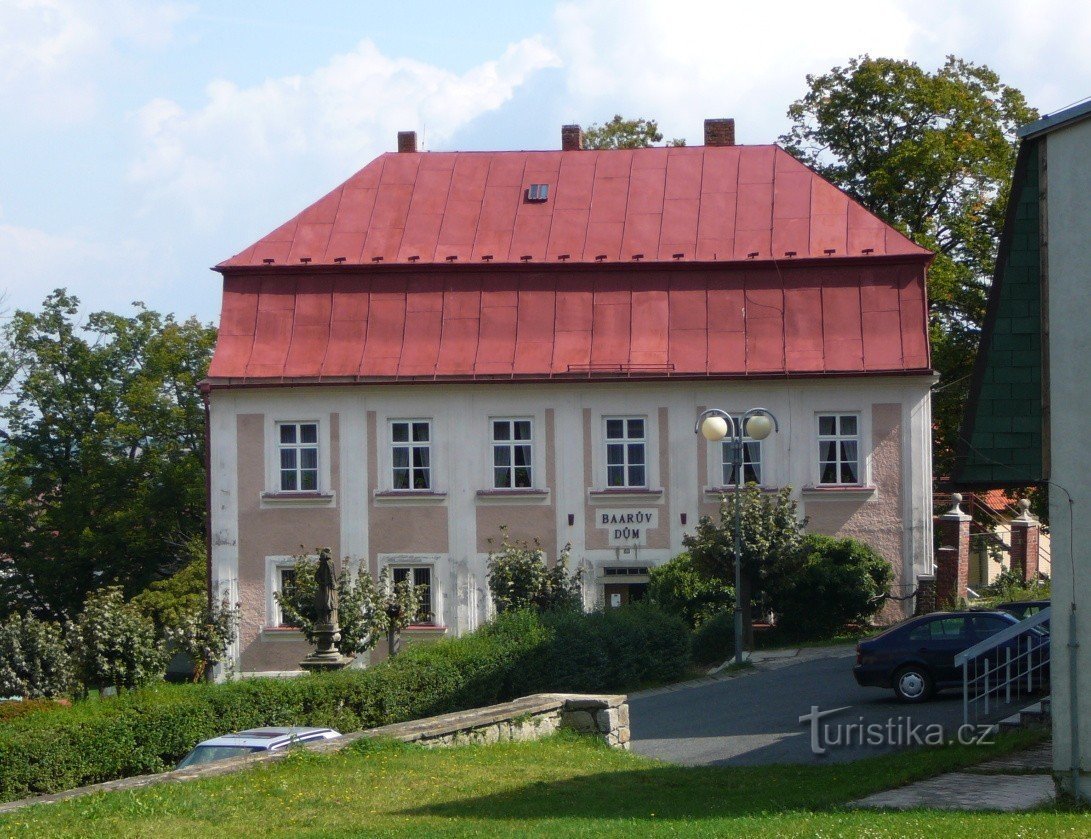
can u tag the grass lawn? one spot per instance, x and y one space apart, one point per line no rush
563 786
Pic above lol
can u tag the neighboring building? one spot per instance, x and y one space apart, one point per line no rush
452 342
1031 396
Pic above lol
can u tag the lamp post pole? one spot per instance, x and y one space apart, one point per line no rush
714 425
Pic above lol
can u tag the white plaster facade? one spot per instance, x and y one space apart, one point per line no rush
357 513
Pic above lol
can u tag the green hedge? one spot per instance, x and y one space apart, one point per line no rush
150 730
714 640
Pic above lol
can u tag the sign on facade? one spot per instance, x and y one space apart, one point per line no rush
627 527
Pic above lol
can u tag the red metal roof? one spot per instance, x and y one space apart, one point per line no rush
552 322
706 203
433 266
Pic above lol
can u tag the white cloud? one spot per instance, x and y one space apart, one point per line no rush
105 274
334 119
52 51
681 62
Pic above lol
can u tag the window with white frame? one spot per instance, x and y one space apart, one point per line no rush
411 454
421 576
285 586
751 459
297 449
511 454
626 452
839 449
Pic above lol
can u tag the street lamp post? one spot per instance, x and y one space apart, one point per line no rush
714 425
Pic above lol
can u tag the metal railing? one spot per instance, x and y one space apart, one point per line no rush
1012 663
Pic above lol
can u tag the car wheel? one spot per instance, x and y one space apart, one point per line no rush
913 683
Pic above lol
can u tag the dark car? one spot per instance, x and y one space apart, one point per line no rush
1023 609
917 657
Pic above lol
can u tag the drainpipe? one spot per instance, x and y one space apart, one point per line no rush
1073 650
206 391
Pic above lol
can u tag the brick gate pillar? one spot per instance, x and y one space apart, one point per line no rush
1024 542
952 555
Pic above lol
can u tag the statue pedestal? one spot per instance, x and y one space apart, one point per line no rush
326 655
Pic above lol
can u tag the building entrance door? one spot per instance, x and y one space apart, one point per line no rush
620 594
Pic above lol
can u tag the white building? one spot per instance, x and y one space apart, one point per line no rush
449 343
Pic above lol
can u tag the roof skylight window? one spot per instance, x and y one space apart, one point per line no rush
537 192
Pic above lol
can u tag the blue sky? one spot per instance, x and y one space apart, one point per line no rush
144 141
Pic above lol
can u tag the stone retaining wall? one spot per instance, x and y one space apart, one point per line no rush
528 718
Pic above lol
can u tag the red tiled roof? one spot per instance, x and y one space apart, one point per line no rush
553 322
707 203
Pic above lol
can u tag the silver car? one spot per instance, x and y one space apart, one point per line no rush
253 740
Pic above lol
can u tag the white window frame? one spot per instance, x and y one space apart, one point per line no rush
438 563
274 566
412 446
749 445
298 447
625 441
838 438
411 568
510 445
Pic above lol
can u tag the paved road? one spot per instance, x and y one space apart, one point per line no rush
754 718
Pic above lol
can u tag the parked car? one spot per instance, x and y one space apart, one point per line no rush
917 657
253 740
1023 609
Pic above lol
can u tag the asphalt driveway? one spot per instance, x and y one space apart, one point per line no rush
754 718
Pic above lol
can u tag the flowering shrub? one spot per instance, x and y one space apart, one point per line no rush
519 578
34 661
114 644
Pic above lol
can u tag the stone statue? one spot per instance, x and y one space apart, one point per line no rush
326 631
325 593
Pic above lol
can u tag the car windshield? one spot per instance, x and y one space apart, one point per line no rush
210 754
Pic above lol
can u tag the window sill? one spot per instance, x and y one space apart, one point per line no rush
626 492
312 499
730 490
512 496
425 629
282 633
409 496
851 490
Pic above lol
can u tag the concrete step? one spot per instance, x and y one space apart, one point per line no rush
1036 712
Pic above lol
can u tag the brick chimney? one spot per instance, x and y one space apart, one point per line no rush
407 141
571 138
719 132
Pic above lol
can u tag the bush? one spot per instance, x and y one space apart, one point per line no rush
115 644
519 578
677 587
714 640
149 730
34 660
1010 585
838 581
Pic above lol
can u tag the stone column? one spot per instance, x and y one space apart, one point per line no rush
952 555
1024 542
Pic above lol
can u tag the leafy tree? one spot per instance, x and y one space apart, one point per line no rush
519 577
677 587
102 467
183 617
932 154
114 644
771 535
833 582
34 660
621 133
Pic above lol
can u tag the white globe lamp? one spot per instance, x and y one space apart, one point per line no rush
714 428
759 426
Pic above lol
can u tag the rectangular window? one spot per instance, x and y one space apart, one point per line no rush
511 455
422 587
297 449
411 454
285 585
626 450
751 460
838 449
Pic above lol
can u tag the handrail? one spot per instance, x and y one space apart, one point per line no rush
1003 636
